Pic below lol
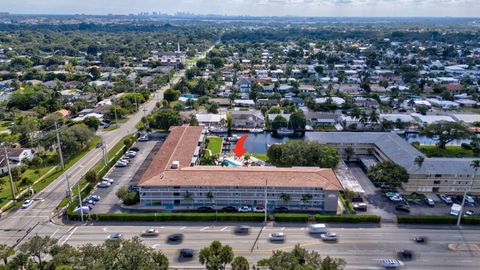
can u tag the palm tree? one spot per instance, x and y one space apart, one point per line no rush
363 118
419 161
355 113
373 117
210 196
188 196
240 263
285 197
306 198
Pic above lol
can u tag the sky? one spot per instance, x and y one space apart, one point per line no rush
321 8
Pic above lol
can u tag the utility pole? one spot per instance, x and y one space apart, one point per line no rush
69 189
80 201
467 188
12 188
59 146
116 118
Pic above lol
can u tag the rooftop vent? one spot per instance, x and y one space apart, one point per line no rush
175 165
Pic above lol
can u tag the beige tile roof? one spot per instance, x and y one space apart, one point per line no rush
247 176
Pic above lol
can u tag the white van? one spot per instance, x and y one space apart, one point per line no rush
317 228
85 209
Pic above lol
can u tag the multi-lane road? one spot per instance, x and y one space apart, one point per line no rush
361 247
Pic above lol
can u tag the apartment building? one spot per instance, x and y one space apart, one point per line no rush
174 182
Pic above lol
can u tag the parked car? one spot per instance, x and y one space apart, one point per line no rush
359 206
94 198
143 138
329 236
259 209
176 237
27 203
115 236
396 198
391 194
205 209
83 209
405 254
121 164
277 236
229 209
88 201
469 213
469 199
131 154
242 230
420 239
429 202
245 208
110 180
135 149
103 184
187 252
391 264
446 199
150 232
280 210
403 208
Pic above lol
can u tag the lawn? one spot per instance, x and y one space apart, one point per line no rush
33 175
112 127
214 144
449 151
263 157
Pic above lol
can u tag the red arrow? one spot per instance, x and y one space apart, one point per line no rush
239 150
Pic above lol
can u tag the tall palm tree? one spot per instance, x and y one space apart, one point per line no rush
210 196
188 196
363 118
373 117
349 152
355 113
285 197
306 198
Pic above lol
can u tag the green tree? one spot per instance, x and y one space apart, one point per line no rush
303 153
193 120
419 161
285 197
165 119
92 122
216 256
240 263
279 122
91 177
171 95
6 252
388 172
298 121
349 152
445 132
38 247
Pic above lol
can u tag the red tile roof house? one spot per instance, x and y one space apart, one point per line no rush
15 156
455 89
173 182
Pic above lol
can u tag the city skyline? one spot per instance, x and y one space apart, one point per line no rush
317 8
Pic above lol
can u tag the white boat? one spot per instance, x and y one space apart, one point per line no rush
234 138
285 131
255 130
218 130
398 131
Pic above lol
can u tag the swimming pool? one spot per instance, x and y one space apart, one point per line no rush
231 163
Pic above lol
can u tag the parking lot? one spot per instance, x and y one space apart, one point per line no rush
109 203
379 204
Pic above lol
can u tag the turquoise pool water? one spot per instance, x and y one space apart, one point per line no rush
230 163
188 95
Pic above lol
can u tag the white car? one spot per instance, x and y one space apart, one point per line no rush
245 209
396 198
110 180
469 199
104 184
391 264
27 203
277 236
259 209
121 164
329 236
446 199
150 232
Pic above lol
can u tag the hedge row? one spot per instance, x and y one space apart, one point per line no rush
475 220
254 217
291 217
348 218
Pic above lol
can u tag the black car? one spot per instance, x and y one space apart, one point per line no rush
242 230
205 209
99 145
420 239
136 149
177 237
280 210
229 209
405 254
187 252
403 208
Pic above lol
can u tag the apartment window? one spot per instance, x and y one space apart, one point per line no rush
176 194
436 182
438 175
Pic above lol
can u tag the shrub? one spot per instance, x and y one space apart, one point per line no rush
255 217
348 218
466 146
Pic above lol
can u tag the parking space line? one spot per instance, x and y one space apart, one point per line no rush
53 234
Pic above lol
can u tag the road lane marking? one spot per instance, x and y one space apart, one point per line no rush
55 232
224 228
105 229
204 228
183 228
282 229
68 236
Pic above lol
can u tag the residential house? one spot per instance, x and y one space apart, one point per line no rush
16 156
248 119
321 118
244 85
366 102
